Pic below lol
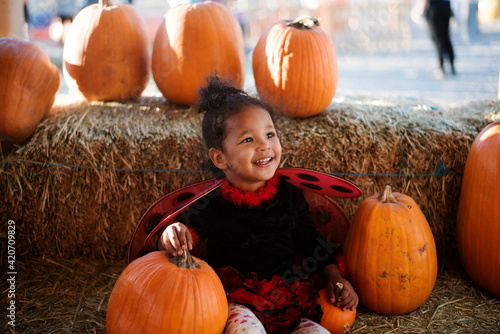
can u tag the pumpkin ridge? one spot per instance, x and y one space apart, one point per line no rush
220 60
183 278
151 270
329 49
320 50
119 285
281 54
308 39
200 307
144 282
176 278
425 250
366 249
314 102
405 279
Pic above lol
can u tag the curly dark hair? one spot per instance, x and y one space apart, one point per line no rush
220 100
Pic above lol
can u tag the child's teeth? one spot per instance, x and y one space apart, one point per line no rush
263 161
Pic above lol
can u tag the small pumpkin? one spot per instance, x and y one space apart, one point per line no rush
28 88
157 293
193 42
334 319
390 254
478 220
295 67
106 54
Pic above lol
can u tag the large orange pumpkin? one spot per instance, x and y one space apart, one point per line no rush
28 88
390 254
106 54
334 319
295 67
160 294
194 41
478 220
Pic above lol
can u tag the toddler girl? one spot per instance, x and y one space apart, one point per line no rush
252 227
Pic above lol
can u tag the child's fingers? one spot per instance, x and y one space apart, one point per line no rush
183 236
348 301
189 239
174 242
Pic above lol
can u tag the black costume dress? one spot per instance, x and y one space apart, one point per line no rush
252 241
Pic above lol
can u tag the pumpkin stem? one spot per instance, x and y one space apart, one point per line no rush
104 3
386 196
339 287
303 22
185 260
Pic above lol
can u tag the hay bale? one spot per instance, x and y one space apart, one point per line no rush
81 184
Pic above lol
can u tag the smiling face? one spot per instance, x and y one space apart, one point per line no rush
251 150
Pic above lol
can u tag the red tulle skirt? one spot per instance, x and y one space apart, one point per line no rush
277 304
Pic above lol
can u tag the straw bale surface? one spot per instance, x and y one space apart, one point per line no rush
71 296
81 184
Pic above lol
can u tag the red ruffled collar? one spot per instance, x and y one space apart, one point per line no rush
250 198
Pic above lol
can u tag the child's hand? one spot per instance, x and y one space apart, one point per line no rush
175 238
348 299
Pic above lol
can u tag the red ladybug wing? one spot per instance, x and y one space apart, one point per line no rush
322 183
328 217
162 212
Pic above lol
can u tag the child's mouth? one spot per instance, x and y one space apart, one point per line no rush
263 161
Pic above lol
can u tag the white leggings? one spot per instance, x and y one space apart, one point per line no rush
242 320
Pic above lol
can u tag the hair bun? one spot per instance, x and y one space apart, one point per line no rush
217 94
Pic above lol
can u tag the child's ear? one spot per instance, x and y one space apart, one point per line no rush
218 158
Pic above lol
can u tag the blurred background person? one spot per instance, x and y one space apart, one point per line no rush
61 22
438 14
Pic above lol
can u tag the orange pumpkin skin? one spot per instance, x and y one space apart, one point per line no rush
334 319
106 55
194 41
478 220
390 254
28 88
153 295
295 69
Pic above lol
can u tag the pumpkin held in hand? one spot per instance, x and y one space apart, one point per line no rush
334 319
28 88
192 42
478 220
295 67
106 54
157 293
390 254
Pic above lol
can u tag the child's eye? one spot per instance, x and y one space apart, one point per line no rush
247 140
270 135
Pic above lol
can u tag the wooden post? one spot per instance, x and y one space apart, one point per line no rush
12 23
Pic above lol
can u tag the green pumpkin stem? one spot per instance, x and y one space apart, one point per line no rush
185 260
303 22
339 287
386 196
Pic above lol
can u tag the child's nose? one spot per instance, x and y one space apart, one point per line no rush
264 145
